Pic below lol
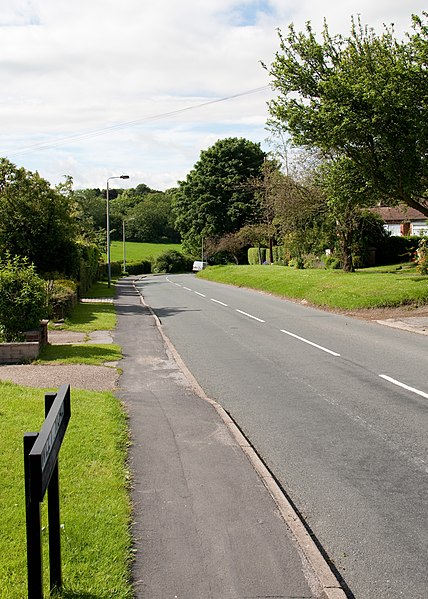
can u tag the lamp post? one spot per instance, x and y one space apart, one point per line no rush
108 227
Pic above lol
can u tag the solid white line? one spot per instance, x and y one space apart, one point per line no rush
218 302
395 382
329 351
249 315
201 294
187 288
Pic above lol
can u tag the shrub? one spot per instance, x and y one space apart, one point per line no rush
296 263
312 261
62 297
422 256
139 268
23 297
395 249
256 255
332 262
172 261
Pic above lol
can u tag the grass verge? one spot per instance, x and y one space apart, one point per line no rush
86 318
95 507
367 288
80 353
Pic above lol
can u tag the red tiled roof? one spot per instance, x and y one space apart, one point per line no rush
399 214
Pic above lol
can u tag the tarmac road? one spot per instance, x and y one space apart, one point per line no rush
336 408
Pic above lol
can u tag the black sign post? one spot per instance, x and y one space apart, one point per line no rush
41 473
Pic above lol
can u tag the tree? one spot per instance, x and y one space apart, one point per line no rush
214 199
151 220
268 187
346 194
363 97
37 221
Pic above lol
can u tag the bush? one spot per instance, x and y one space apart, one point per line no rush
62 297
422 256
173 261
296 263
332 262
23 298
395 249
139 268
256 255
312 261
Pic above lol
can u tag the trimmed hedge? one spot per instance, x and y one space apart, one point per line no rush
132 268
260 255
397 249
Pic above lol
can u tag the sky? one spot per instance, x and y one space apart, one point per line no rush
98 88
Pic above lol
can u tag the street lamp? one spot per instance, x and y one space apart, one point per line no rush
108 227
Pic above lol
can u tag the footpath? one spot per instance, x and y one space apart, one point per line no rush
206 524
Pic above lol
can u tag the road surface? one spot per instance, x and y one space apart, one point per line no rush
336 407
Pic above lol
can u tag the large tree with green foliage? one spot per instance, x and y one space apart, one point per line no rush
37 221
215 198
365 97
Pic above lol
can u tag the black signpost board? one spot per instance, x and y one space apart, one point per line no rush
41 475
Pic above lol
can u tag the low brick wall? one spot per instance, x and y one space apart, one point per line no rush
16 353
28 350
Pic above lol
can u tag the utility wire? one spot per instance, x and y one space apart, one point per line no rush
111 128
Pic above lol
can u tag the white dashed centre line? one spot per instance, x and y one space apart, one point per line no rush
187 288
218 302
201 294
395 382
329 351
249 315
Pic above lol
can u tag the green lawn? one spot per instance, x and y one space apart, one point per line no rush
367 288
140 251
85 318
95 507
86 353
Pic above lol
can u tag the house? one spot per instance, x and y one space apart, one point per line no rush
402 220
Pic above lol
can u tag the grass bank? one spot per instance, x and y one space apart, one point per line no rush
95 508
366 288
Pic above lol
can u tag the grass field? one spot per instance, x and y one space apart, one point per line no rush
95 508
140 251
367 288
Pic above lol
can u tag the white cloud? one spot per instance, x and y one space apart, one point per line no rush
77 67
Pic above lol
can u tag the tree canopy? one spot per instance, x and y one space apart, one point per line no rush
365 97
36 220
215 198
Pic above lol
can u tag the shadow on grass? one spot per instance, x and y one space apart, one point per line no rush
86 313
80 353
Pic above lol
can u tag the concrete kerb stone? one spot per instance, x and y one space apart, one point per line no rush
320 576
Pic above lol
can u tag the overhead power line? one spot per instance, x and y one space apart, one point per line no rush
126 124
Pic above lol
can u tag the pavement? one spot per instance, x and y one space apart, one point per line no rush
209 521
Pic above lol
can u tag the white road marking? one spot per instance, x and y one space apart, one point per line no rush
395 382
186 288
201 294
249 315
329 351
218 302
